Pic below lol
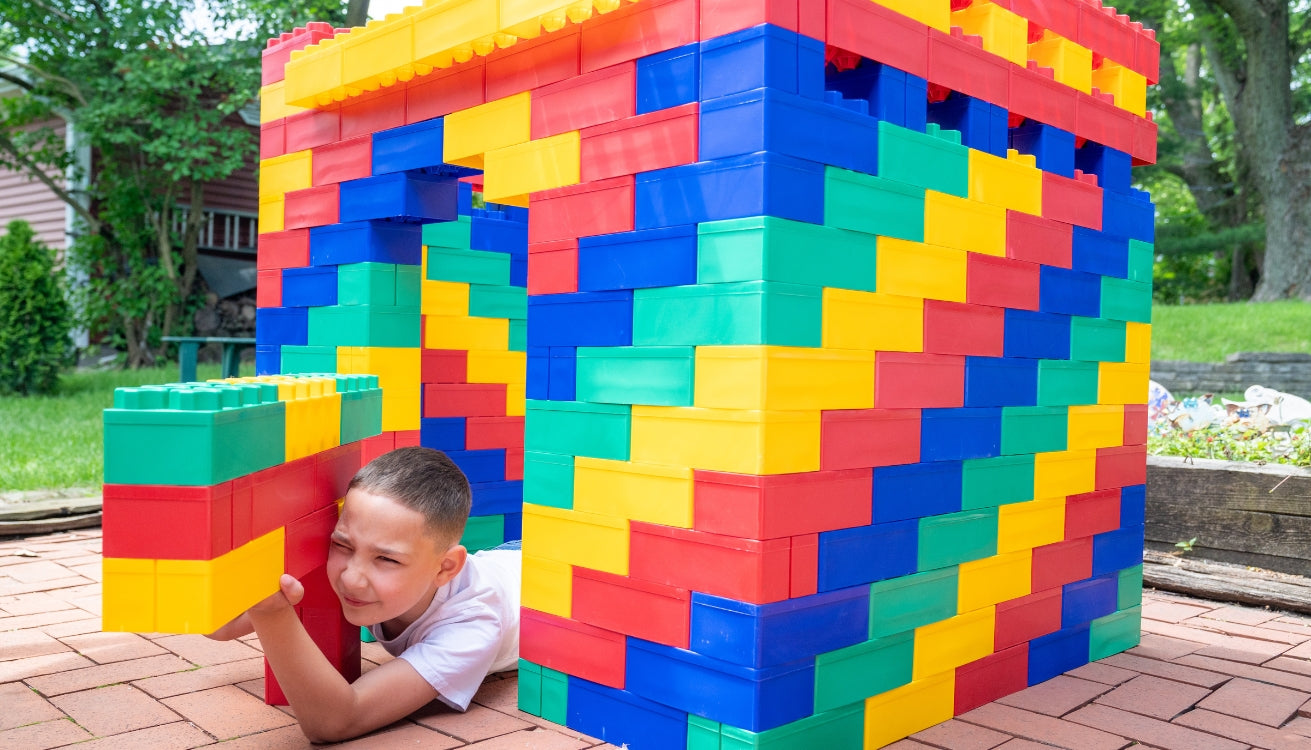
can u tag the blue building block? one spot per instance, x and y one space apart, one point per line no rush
1057 653
1133 505
1053 148
268 358
500 235
581 319
282 325
764 55
754 699
365 242
1115 550
1129 215
519 271
564 373
513 526
481 465
1036 335
1084 601
315 286
539 373
413 147
955 434
622 718
759 184
768 635
978 122
636 260
442 433
464 201
668 79
782 123
1001 381
1100 253
1111 167
913 491
400 196
917 103
497 498
1063 290
865 554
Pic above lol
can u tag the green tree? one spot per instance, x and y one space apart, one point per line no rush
154 88
34 323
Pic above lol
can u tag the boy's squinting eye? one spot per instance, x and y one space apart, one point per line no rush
390 560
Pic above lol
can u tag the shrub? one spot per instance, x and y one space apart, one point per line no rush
34 322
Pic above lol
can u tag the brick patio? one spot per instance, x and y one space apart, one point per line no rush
1206 676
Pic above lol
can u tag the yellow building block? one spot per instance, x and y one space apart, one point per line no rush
576 538
1061 473
273 103
533 166
441 28
731 440
943 646
1014 182
935 13
908 709
914 269
637 492
516 403
547 586
399 371
314 75
472 132
128 602
370 60
486 366
1095 426
272 214
1122 382
783 377
199 596
995 579
1137 343
444 298
463 332
1071 63
964 224
1022 526
872 321
1004 33
282 174
1129 88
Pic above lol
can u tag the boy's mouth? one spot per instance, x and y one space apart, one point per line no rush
354 602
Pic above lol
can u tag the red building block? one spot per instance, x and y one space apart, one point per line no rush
289 249
345 160
720 17
583 210
372 447
1105 123
268 288
442 92
880 34
531 63
366 115
1043 99
963 67
1026 618
1039 239
407 438
1092 513
955 328
167 522
1135 424
904 380
865 438
513 464
306 542
1121 466
805 566
1061 16
552 266
992 677
279 494
312 207
1001 282
571 647
273 138
463 400
312 128
748 570
650 611
638 30
444 366
655 140
594 98
1101 32
334 469
781 505
1055 565
493 432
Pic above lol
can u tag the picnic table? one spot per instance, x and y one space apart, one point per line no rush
189 346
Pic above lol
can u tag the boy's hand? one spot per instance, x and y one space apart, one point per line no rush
290 592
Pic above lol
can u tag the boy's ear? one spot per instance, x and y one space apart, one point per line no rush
452 563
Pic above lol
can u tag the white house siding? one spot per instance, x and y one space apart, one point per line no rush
22 197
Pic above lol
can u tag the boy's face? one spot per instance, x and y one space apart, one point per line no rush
384 563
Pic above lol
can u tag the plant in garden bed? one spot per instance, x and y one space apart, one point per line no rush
1281 444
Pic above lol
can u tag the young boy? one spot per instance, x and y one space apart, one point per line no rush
395 563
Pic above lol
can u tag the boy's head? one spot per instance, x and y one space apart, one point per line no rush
424 480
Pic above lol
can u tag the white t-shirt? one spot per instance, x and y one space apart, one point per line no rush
470 630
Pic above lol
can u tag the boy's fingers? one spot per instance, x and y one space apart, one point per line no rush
291 588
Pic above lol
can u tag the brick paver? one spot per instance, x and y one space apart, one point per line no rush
1206 675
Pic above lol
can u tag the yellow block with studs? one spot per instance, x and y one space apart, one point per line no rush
1031 524
449 298
911 708
1061 473
283 174
463 332
784 377
915 269
1004 33
533 166
547 586
487 366
964 224
1014 182
569 536
1071 63
994 580
200 596
471 133
943 646
1122 382
638 492
1128 87
1137 343
872 321
732 440
1095 426
399 372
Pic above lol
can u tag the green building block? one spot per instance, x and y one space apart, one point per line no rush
555 696
518 336
839 728
302 359
954 538
365 325
1097 339
766 248
1123 299
530 688
483 532
702 734
361 407
899 605
650 375
1066 382
1130 592
751 312
923 159
578 429
548 479
1033 429
486 301
366 284
470 266
874 205
366 636
1001 480
456 234
1116 632
1142 259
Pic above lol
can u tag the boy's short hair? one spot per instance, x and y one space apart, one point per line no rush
425 480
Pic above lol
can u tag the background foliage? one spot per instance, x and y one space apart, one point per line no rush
34 343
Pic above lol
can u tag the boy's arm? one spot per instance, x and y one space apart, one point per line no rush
235 629
328 707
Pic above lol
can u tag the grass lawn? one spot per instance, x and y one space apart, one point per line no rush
54 442
1209 333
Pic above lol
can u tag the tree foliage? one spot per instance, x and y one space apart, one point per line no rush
33 314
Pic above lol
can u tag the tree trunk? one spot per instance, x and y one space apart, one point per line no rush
357 12
1287 272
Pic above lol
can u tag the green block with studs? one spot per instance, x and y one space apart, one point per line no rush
874 205
1001 480
955 538
899 605
767 248
1116 632
1066 382
1033 429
